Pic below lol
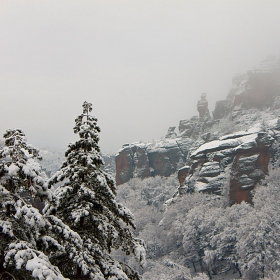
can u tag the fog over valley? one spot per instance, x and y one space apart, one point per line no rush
142 64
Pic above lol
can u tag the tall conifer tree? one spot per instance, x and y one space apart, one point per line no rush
86 202
26 236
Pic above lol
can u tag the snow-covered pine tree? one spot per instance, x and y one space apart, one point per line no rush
86 202
24 239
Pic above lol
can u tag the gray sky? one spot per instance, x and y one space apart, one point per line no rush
142 63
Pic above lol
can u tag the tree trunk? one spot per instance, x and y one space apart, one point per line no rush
82 222
201 265
194 266
10 185
79 272
237 268
8 207
209 274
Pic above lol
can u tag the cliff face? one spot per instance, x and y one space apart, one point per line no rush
162 157
142 160
236 162
229 153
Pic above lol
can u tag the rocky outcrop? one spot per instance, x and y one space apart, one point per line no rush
182 174
162 157
171 132
221 110
151 159
229 153
197 125
236 162
124 165
186 127
258 88
202 107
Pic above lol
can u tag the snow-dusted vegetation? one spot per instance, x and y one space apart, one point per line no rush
183 183
190 236
86 231
28 240
81 223
200 233
203 204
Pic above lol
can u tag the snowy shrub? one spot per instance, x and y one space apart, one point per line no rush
167 271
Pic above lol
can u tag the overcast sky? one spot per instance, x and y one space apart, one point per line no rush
142 63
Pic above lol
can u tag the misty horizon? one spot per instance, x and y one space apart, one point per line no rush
142 64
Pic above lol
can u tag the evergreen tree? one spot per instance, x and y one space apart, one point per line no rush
26 236
86 202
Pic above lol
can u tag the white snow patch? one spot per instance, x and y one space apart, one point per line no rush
237 143
6 228
13 169
200 186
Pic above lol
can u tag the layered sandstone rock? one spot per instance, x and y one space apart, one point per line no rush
186 127
236 162
229 153
151 159
124 165
162 157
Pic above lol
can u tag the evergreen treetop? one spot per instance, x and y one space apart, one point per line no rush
86 202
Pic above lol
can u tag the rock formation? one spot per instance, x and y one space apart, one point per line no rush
229 153
222 108
171 132
150 159
238 161
202 107
259 88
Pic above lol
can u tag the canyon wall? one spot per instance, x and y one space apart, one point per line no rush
228 153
